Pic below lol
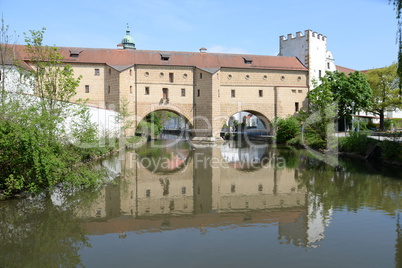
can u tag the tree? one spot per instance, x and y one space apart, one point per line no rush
384 84
36 138
6 58
398 7
351 93
54 82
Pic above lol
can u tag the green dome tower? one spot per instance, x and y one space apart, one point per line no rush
128 41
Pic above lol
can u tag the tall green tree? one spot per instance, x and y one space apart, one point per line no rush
384 83
398 8
352 92
54 82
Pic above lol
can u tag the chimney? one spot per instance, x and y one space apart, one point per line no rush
203 50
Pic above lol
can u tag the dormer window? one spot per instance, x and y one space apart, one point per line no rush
165 56
75 53
248 60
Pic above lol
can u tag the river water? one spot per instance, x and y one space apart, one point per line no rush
174 204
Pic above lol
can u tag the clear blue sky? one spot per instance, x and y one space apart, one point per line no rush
361 33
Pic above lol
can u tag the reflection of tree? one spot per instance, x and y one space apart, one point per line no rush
343 186
36 233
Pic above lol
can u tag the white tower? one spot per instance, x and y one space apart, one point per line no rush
311 50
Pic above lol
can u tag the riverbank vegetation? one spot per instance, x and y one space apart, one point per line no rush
44 139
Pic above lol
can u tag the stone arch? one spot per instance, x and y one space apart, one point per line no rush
259 112
188 118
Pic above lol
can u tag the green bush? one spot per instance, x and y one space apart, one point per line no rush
391 150
287 129
357 142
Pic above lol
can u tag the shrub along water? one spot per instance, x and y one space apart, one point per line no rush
37 148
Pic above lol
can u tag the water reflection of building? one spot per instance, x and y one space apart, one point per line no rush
199 196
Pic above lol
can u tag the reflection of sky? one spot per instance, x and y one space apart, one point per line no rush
234 155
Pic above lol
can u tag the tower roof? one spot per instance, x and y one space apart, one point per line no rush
128 40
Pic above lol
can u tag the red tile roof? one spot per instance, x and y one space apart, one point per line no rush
118 57
344 69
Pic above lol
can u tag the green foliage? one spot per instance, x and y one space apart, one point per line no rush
36 143
336 95
391 150
385 86
287 128
351 93
357 142
151 125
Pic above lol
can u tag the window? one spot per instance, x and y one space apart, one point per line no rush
165 56
233 93
0 75
319 73
183 92
260 187
108 89
148 193
260 93
233 188
183 190
86 88
200 75
296 106
131 89
75 53
328 66
97 72
198 93
131 72
171 77
110 71
165 93
146 90
248 60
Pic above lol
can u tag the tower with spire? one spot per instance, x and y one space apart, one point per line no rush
128 41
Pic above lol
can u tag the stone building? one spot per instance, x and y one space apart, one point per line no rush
204 88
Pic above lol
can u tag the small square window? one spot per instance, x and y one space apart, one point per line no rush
183 92
233 93
97 72
260 93
146 90
86 88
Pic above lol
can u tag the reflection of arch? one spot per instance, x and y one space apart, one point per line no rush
164 159
259 112
242 157
187 117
